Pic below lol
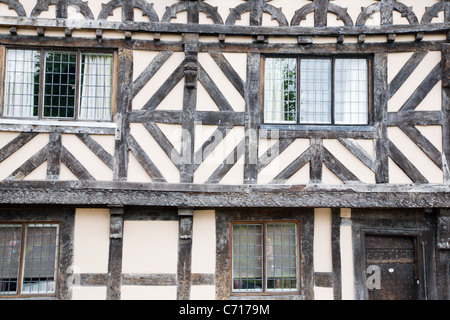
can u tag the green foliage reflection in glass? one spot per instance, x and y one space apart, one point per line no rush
60 84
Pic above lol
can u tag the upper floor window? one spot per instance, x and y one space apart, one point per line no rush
28 258
58 84
318 90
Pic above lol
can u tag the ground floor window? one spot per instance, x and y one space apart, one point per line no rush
265 257
28 258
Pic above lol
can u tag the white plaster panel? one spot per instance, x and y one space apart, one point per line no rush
283 160
350 161
91 241
322 240
148 293
150 247
203 293
233 97
346 243
411 151
398 60
204 242
88 293
155 153
174 100
323 293
96 167
10 164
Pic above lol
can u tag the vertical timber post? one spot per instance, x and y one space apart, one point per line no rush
184 253
115 253
380 102
252 118
124 94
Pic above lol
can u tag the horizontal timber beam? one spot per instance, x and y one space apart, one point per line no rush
354 195
220 29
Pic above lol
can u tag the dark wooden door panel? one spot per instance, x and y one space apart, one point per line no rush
395 258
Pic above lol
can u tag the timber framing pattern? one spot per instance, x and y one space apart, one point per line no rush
353 193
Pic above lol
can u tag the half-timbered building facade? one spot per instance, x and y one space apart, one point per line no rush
210 149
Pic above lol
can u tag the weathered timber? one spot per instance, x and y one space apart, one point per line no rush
337 167
184 253
124 101
16 144
252 118
278 148
414 118
380 102
145 161
405 164
229 71
94 193
315 167
406 72
54 156
216 29
150 71
359 152
424 88
213 91
446 112
424 144
97 149
228 163
74 165
292 168
113 290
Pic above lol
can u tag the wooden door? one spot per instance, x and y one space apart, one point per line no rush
394 257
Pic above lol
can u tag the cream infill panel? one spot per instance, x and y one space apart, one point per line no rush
150 247
204 242
97 168
148 293
323 293
347 273
238 61
174 100
322 240
153 150
91 241
88 293
203 293
283 160
413 153
395 62
13 162
350 161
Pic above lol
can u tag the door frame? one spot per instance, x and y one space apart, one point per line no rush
419 223
419 254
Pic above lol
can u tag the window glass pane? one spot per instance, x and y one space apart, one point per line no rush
315 91
351 104
10 246
280 90
282 257
247 257
60 84
96 86
22 83
40 258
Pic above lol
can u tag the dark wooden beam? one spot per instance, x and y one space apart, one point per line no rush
380 102
124 101
100 193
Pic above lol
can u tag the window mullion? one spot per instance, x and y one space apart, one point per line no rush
77 86
42 70
22 260
298 89
333 90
